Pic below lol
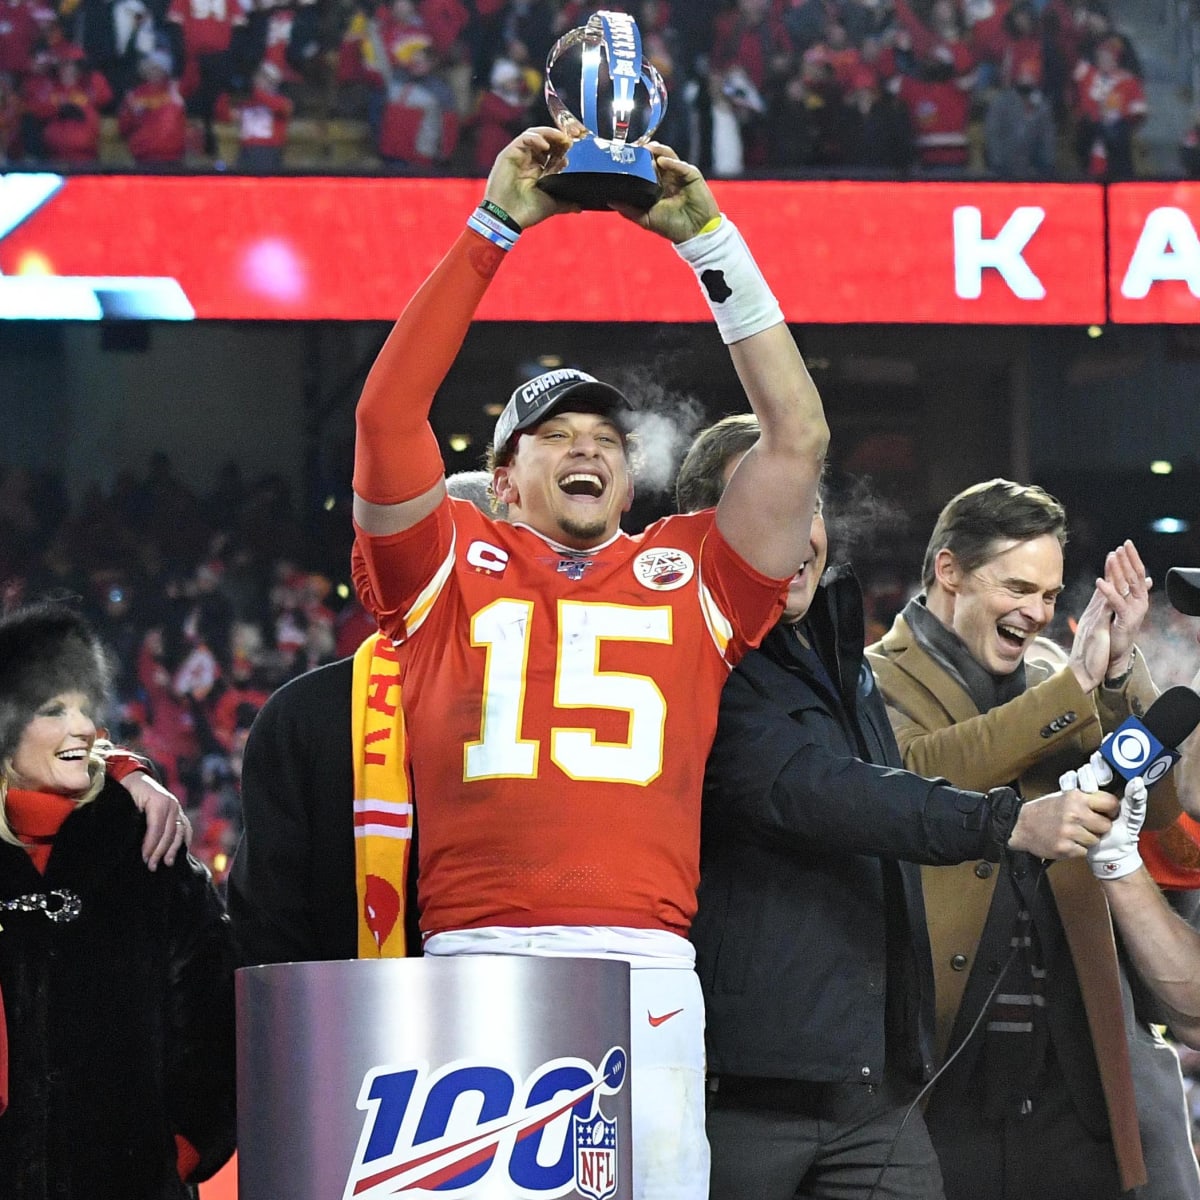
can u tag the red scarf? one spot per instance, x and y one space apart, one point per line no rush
36 817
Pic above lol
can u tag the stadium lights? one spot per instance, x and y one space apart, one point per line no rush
1160 466
1170 525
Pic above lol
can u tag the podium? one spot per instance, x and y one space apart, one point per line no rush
481 1077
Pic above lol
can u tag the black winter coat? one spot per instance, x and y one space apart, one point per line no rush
120 1022
810 912
292 883
292 889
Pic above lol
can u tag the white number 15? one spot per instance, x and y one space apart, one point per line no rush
504 629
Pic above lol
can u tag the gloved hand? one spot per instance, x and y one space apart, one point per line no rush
1116 853
1095 774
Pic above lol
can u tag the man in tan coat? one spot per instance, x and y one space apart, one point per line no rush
1040 1102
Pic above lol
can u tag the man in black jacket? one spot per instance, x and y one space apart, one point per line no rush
810 937
292 893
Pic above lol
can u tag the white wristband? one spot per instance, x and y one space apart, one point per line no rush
741 300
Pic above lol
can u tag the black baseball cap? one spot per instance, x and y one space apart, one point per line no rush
537 399
1183 590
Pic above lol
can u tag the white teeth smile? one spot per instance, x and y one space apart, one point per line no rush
582 483
72 755
1013 632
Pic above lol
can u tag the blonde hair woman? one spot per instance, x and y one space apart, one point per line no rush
117 1073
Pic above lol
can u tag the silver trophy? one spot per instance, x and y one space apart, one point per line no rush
609 162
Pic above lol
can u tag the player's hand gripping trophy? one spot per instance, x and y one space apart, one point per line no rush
548 170
622 100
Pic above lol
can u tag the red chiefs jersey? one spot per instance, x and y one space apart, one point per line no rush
1103 97
207 24
560 707
939 112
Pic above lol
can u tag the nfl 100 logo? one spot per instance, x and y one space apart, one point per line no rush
463 1129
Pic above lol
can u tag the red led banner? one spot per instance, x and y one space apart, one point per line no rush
1154 253
355 249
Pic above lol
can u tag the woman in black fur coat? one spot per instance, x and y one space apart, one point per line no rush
117 1078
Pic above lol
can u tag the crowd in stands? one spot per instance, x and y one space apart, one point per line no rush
1017 88
210 602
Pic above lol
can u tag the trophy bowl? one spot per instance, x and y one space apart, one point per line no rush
622 101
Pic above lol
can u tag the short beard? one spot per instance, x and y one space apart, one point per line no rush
590 531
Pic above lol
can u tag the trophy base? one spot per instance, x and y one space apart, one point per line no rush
593 190
593 178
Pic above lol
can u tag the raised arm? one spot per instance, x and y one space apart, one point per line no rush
766 511
398 470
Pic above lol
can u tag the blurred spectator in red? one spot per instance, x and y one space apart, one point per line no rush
262 121
168 731
752 37
277 41
152 119
371 42
1021 45
199 672
21 24
1096 26
939 106
69 109
879 55
243 690
10 119
1020 140
502 112
203 31
1110 105
940 41
835 51
984 20
304 625
445 21
420 124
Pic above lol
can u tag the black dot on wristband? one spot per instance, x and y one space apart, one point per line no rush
714 284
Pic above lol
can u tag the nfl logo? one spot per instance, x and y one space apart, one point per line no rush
595 1156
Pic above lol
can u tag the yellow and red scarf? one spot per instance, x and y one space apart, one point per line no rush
382 799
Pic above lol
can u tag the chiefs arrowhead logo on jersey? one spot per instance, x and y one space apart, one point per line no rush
663 569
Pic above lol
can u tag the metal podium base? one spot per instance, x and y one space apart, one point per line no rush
485 1077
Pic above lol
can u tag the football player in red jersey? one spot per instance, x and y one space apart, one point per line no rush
562 678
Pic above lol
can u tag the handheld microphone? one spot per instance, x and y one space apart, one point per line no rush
1146 747
1183 590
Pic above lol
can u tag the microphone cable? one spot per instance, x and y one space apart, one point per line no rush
975 1024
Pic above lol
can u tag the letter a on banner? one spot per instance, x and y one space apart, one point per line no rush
1168 248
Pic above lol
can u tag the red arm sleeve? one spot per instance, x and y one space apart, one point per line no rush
120 764
396 456
920 33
